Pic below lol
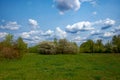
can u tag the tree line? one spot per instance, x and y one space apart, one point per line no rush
112 46
63 46
10 48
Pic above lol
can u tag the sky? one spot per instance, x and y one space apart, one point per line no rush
75 20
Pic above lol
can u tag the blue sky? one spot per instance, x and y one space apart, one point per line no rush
76 20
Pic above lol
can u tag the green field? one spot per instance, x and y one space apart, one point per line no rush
62 67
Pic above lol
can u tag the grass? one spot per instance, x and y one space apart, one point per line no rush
62 67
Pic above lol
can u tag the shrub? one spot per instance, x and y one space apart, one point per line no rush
65 47
47 48
9 53
71 48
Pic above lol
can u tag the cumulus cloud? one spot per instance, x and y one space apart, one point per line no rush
10 26
108 23
97 32
65 5
79 39
3 34
107 35
48 33
33 23
80 26
60 33
28 34
117 29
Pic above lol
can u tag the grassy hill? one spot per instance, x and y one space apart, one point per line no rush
62 67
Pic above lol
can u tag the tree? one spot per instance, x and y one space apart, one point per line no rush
99 47
116 43
87 47
8 42
21 45
108 47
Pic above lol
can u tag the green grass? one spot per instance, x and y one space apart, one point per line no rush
62 67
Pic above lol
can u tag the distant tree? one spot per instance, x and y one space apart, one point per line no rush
87 47
108 47
21 45
8 42
116 43
55 41
99 47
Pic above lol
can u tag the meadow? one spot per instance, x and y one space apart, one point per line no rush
62 67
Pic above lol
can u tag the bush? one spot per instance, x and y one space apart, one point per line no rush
9 53
71 48
65 47
47 48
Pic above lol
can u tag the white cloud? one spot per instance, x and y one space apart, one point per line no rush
107 23
3 34
25 35
80 26
107 34
33 23
96 32
78 39
65 5
28 34
48 33
117 29
60 33
10 26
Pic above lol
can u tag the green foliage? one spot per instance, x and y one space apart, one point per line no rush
33 49
12 49
87 47
108 47
8 42
98 47
21 45
116 43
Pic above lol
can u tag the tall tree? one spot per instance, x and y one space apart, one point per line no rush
8 40
108 47
116 43
87 47
21 45
99 47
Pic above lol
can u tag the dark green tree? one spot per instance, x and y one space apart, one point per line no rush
87 47
99 47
